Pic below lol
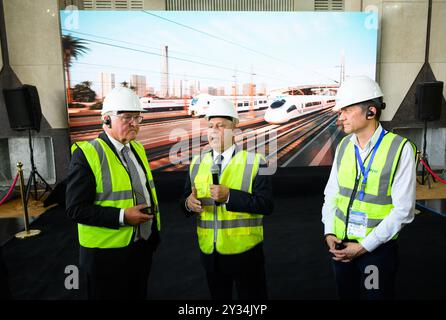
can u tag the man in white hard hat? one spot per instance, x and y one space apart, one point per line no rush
229 198
370 195
111 195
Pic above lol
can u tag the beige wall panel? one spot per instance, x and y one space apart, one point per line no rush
366 3
437 49
395 81
35 53
49 81
33 32
439 70
352 5
154 5
303 5
407 1
403 33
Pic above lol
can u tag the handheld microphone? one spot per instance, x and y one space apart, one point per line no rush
215 172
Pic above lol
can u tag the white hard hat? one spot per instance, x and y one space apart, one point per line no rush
356 90
121 99
222 108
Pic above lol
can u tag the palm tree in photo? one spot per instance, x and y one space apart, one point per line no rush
72 49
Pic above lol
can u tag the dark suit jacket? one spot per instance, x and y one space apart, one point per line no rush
259 202
80 197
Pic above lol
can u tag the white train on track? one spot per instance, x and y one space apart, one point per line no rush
284 108
199 105
155 105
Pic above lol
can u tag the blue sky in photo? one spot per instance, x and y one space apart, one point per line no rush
278 49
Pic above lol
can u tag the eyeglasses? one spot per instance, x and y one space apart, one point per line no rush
126 118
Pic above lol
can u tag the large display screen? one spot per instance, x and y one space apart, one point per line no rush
281 71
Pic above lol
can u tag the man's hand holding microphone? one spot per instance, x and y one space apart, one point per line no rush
219 193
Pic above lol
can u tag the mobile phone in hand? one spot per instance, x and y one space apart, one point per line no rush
147 210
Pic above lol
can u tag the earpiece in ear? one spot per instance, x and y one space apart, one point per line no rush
107 122
370 114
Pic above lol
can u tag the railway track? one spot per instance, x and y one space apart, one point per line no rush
286 137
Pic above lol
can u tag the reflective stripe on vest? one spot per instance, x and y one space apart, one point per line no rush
247 172
208 224
231 232
113 189
371 223
377 202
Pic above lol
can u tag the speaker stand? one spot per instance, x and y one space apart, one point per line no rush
425 174
32 181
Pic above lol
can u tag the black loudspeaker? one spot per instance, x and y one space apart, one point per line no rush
23 107
428 99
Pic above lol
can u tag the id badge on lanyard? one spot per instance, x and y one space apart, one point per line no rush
357 221
357 224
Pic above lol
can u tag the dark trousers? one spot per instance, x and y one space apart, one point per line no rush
245 270
249 285
120 273
370 276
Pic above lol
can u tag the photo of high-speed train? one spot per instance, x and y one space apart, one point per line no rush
156 105
200 103
284 108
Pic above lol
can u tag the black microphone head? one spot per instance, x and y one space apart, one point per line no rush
215 173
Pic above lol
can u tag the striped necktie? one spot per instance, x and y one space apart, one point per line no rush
218 162
144 229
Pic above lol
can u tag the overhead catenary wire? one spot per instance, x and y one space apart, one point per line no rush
157 72
177 58
234 43
214 37
156 48
141 45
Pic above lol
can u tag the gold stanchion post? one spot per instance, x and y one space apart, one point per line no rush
27 233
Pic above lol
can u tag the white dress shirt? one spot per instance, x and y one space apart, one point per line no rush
118 146
403 195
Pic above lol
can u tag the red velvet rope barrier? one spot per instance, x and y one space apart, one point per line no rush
10 189
436 176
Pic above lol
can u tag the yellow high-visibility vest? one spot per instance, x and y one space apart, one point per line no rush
113 189
377 201
228 231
